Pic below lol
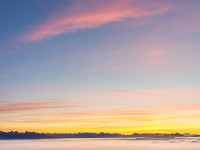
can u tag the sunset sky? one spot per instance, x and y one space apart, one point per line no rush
120 66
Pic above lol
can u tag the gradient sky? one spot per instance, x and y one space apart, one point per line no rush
100 66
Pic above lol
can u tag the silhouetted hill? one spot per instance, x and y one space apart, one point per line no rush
115 135
33 135
26 135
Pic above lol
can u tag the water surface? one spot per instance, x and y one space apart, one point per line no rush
101 144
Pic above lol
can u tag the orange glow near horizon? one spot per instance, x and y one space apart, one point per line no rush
73 117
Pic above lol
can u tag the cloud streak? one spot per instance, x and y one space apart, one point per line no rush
82 16
29 106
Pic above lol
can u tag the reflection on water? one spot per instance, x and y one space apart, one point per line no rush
101 144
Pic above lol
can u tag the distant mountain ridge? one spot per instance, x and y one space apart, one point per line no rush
34 135
114 135
26 135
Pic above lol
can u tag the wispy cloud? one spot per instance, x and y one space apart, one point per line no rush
83 16
29 106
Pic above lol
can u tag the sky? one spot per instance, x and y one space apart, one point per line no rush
117 66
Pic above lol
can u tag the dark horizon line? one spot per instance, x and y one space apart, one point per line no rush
98 133
34 135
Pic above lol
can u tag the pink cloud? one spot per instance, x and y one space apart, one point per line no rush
151 95
29 106
83 16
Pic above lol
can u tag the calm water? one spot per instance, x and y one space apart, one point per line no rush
101 144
